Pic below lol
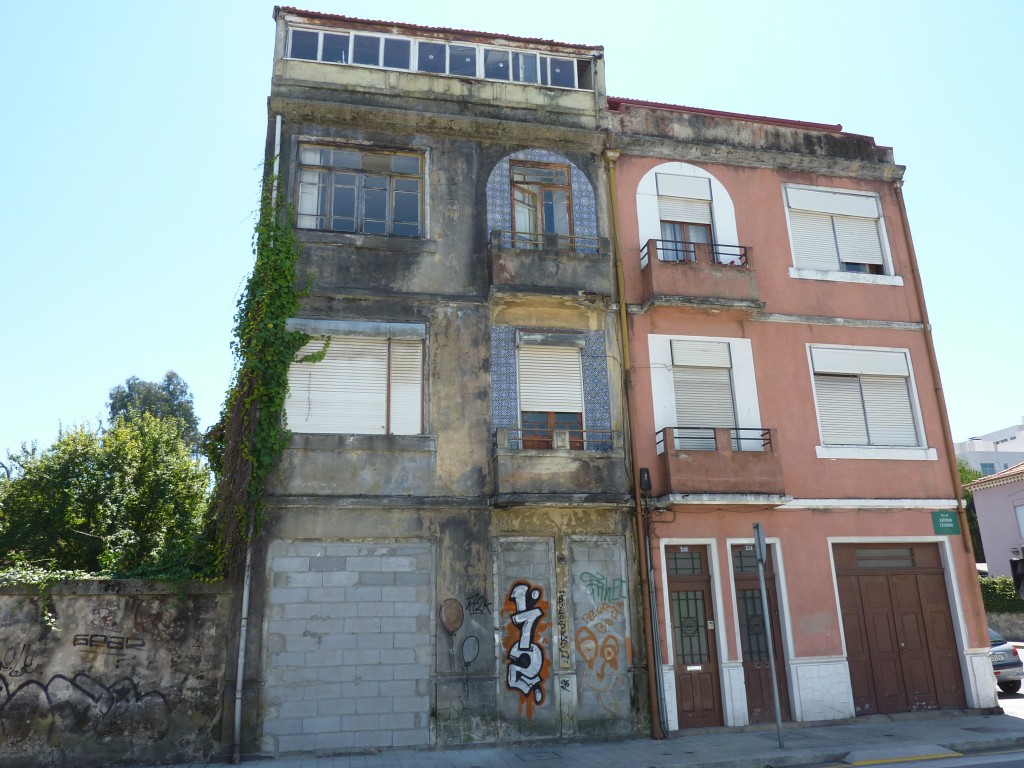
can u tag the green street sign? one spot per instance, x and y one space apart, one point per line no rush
946 523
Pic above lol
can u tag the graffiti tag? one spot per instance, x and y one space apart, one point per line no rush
478 603
17 661
608 612
108 642
528 668
563 632
604 653
82 704
598 587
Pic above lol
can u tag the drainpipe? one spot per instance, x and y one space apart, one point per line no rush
243 624
643 541
947 433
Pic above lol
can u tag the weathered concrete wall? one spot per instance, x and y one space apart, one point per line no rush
390 627
127 672
1009 625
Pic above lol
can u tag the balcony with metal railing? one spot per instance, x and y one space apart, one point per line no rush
719 461
551 262
701 273
544 463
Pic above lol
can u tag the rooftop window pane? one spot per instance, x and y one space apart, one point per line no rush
496 64
563 72
304 44
462 60
431 57
397 53
335 48
524 67
366 50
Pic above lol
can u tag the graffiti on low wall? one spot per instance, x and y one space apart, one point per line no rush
528 667
17 660
80 705
118 676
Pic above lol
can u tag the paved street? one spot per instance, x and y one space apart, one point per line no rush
873 740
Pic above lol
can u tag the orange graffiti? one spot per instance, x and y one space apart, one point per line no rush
525 640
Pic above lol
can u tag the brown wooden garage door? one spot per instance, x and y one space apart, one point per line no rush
899 631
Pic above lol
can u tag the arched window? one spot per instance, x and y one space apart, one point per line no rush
688 211
539 199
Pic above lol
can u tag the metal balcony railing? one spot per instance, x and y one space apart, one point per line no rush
682 251
539 241
556 439
704 439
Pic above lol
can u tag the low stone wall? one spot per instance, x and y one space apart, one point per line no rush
121 672
1009 625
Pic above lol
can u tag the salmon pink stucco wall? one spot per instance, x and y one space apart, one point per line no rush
804 571
757 203
785 396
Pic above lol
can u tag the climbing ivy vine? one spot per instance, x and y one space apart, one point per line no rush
250 436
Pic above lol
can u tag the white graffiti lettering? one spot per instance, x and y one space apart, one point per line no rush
526 657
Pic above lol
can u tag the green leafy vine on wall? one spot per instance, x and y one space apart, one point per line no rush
250 437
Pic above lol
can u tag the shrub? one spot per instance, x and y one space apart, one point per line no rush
999 596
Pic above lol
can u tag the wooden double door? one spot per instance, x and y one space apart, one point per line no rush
898 626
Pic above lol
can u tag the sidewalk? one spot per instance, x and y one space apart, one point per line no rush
847 742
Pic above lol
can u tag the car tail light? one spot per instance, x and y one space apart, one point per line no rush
1015 651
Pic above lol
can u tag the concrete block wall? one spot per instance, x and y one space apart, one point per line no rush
348 646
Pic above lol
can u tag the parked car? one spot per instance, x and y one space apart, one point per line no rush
1006 663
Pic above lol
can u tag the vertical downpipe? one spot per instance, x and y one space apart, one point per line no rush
243 625
643 541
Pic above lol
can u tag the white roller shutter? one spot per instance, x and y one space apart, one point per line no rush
814 241
858 240
406 387
857 361
890 414
703 399
346 392
550 379
833 202
840 410
684 209
694 187
707 353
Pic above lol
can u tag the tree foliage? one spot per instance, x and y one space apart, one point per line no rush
967 475
130 501
169 398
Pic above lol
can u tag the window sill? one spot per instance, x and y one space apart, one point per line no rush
844 277
371 242
368 443
872 452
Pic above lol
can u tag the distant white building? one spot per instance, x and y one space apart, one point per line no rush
995 451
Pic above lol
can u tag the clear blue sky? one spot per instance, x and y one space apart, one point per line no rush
133 134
